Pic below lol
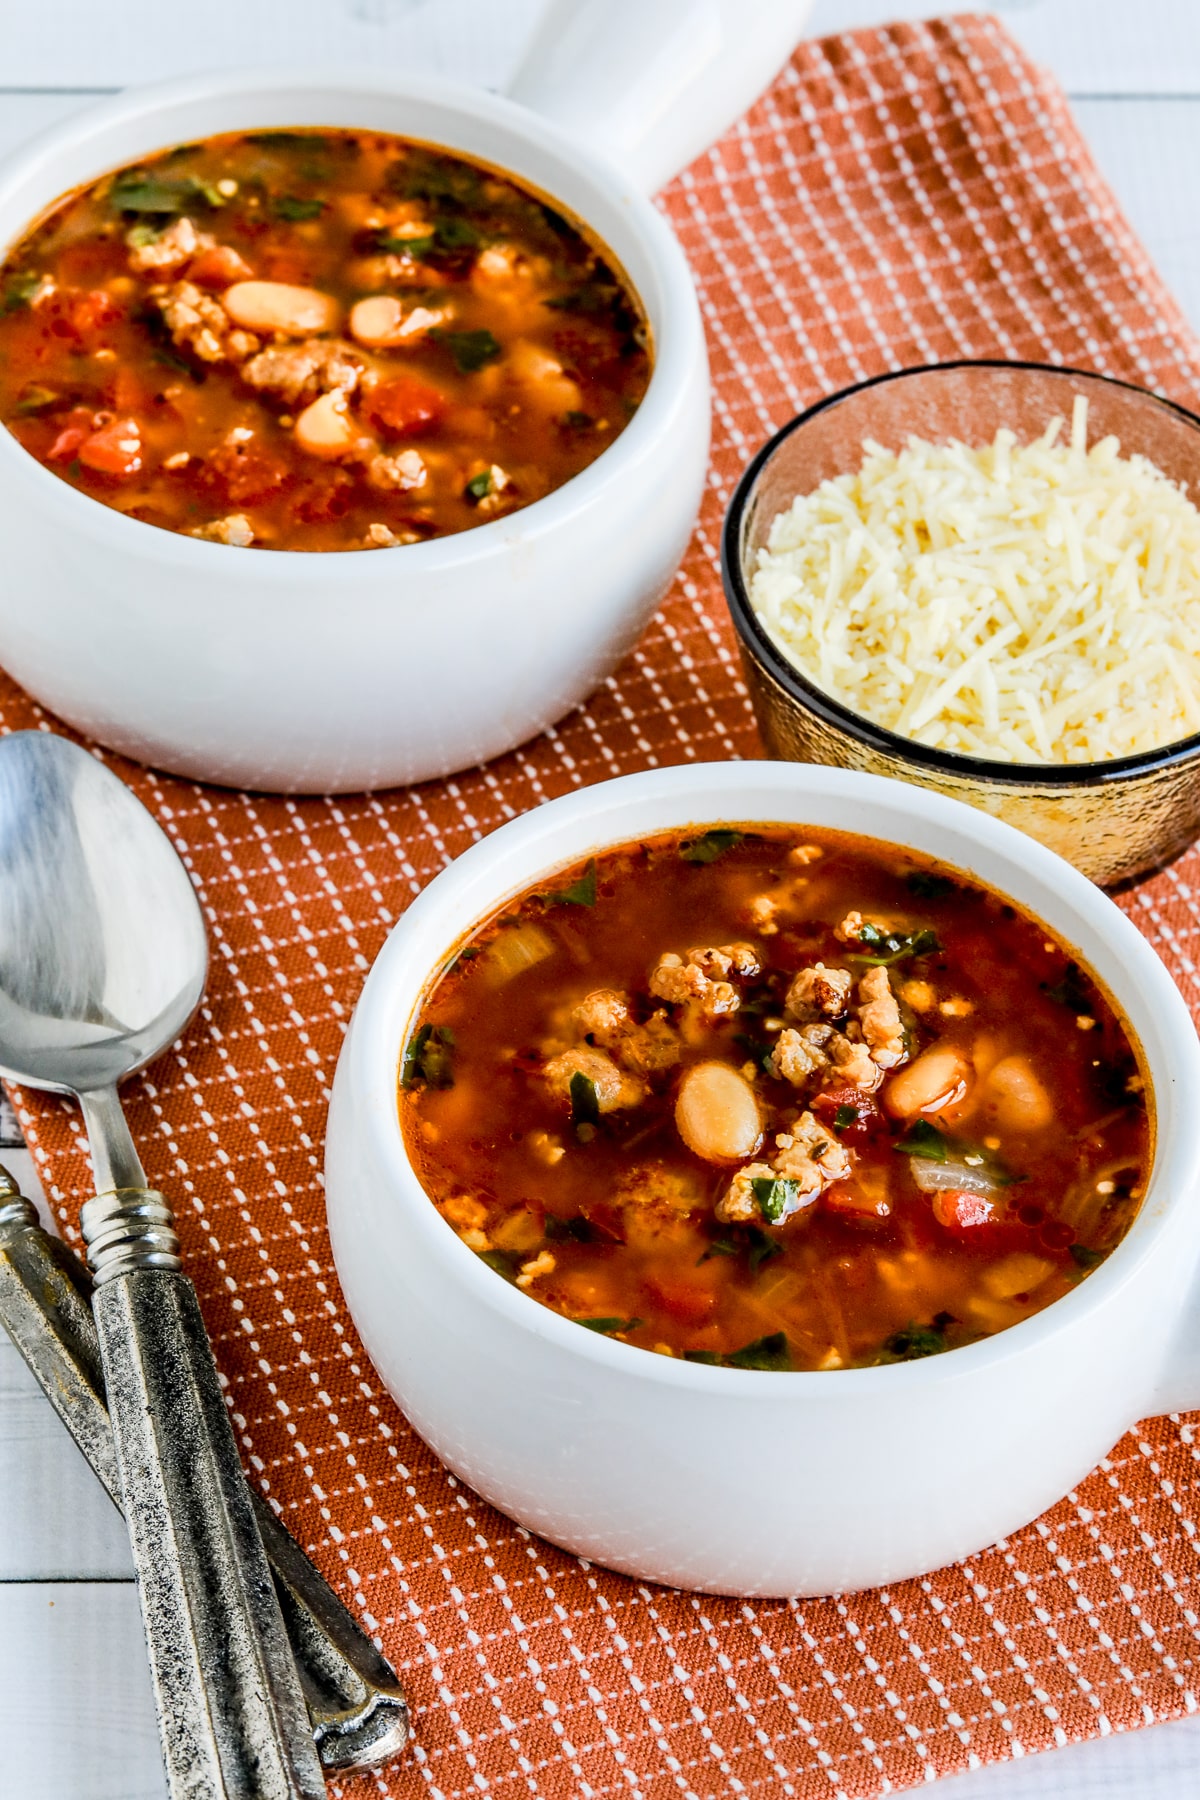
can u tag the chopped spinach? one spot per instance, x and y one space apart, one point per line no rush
501 1261
915 1341
585 1107
479 487
428 1059
887 947
36 399
138 236
1071 991
928 886
750 1241
579 421
471 350
1084 1257
708 848
577 1230
771 1352
417 247
580 893
139 191
19 290
448 184
272 140
293 206
776 1196
608 1326
925 1140
456 234
844 1116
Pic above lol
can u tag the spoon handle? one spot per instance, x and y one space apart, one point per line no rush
356 1707
230 1709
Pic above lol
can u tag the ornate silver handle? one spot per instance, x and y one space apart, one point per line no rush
356 1707
231 1713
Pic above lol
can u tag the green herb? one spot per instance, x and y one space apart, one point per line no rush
501 1261
580 893
590 298
447 184
479 487
924 1140
750 1241
36 399
416 247
1071 991
576 1230
137 191
771 1352
914 1341
585 1108
928 886
708 848
471 350
759 1050
456 234
271 140
608 1326
845 1115
291 206
20 289
1084 1257
888 947
776 1196
581 421
468 953
138 236
427 1058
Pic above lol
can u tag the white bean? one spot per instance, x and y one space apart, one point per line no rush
717 1113
937 1077
267 306
325 428
380 322
1015 1098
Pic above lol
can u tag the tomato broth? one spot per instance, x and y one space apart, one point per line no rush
312 340
776 1098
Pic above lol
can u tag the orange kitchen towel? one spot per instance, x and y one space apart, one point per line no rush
900 196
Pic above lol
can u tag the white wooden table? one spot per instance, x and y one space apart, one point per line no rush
76 1721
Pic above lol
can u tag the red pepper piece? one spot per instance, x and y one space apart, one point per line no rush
78 424
963 1211
404 405
116 449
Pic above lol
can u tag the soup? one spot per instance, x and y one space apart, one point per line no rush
776 1099
307 340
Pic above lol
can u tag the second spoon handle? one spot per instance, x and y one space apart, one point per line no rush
231 1713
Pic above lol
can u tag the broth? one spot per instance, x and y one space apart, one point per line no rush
776 1098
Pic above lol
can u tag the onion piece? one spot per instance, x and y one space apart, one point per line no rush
941 1177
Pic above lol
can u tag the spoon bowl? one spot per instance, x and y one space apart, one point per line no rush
103 953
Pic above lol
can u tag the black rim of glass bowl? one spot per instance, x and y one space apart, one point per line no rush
762 647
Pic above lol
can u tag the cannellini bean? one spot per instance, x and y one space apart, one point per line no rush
717 1113
380 322
935 1080
267 306
1014 1097
543 376
325 428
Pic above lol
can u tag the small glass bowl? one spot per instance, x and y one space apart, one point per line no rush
1114 820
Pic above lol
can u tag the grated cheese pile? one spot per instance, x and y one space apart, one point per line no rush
1036 603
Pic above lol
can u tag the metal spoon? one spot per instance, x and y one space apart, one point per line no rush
103 958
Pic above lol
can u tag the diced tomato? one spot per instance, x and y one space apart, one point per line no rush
836 1102
404 405
857 1200
324 497
963 1211
243 474
218 267
681 1300
116 449
78 424
83 317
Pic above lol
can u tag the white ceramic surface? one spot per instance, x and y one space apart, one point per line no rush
745 1482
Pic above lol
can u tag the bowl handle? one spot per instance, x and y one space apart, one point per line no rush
651 86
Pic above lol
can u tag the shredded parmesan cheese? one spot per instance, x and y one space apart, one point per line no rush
1029 602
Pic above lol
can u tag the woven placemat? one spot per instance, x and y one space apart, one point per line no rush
900 196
